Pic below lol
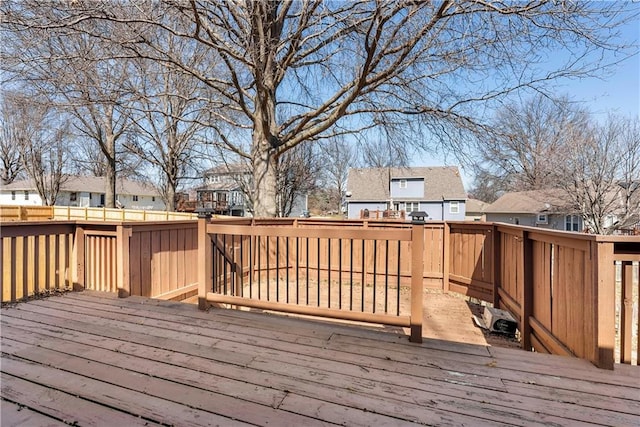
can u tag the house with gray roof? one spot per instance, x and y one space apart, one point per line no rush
437 191
536 208
475 210
85 191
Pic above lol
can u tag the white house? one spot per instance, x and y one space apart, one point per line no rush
85 191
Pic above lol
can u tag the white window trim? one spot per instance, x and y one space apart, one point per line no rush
571 220
409 207
402 183
542 218
453 210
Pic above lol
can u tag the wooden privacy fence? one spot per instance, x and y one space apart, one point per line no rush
64 213
131 258
25 213
352 273
561 287
37 258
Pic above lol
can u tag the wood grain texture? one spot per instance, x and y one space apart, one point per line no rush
92 357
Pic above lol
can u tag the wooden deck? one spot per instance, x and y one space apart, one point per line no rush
92 359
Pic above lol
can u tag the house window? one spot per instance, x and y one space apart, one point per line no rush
73 197
412 207
403 183
542 219
572 223
153 198
26 194
135 198
454 207
13 195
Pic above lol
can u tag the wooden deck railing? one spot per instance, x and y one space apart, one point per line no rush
153 259
37 258
571 293
352 273
560 286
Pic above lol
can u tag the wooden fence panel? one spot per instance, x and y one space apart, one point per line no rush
36 258
25 213
100 256
433 256
471 250
511 273
162 258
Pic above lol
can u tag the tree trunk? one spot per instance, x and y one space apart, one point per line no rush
264 176
170 197
110 191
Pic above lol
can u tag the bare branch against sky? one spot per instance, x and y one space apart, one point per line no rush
289 72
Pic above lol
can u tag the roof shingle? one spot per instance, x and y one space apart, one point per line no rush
372 184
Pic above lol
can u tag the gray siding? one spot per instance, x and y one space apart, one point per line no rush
449 216
433 210
554 221
414 189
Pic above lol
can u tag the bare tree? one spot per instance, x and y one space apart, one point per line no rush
15 130
629 175
173 112
85 76
601 175
41 136
526 145
337 157
294 71
298 173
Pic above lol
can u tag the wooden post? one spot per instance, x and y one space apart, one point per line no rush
446 256
122 261
205 263
417 273
526 307
603 282
79 252
496 265
626 312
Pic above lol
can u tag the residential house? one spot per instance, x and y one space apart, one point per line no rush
536 208
85 191
437 191
225 189
475 210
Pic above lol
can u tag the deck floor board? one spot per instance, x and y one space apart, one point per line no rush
89 356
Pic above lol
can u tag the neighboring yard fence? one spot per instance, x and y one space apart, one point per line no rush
40 213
